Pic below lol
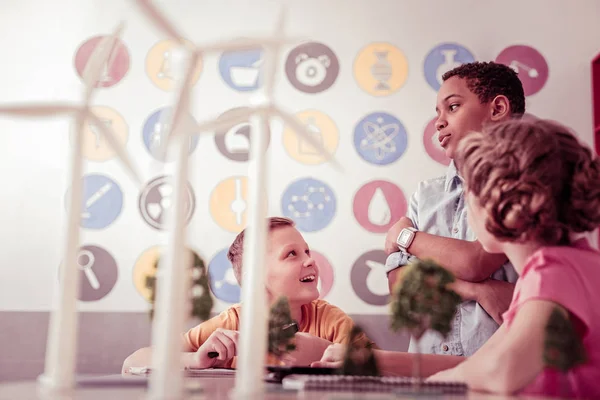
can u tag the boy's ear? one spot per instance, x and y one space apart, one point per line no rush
500 108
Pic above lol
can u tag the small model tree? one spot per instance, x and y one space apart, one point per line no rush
359 360
282 329
201 300
563 349
423 301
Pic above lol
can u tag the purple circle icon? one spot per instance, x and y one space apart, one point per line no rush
156 200
529 63
312 67
369 280
98 272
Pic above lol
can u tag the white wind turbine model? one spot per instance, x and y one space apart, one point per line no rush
172 304
59 372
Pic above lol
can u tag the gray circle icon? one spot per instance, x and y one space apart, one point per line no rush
156 199
368 278
98 272
233 141
312 67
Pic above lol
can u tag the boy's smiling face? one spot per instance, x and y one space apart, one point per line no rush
291 270
459 111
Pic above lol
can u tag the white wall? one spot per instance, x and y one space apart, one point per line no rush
40 42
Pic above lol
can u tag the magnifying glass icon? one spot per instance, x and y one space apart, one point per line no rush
86 267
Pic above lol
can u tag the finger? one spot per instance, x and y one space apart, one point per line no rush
229 343
219 347
326 364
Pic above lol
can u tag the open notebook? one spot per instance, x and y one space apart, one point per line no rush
211 372
368 384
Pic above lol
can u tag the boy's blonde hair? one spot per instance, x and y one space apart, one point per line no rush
236 250
534 178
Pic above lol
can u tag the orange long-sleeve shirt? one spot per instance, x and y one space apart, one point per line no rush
319 318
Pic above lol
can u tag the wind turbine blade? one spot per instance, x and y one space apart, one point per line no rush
161 22
38 110
115 145
269 69
102 57
244 44
301 130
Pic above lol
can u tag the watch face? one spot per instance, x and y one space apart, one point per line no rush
404 237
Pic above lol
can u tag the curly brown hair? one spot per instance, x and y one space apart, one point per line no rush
236 250
534 178
490 79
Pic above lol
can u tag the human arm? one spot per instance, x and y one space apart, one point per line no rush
467 260
215 334
515 360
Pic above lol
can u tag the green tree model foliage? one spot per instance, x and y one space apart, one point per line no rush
201 300
359 360
282 328
423 301
563 348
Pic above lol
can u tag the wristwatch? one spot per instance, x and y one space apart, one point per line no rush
405 238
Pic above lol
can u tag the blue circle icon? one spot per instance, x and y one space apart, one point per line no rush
223 283
310 203
241 70
380 138
442 59
102 201
156 131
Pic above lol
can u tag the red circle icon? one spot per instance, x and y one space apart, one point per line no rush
378 205
326 275
432 144
114 69
529 63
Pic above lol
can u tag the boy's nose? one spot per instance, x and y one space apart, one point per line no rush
440 123
309 262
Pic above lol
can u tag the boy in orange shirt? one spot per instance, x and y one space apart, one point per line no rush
291 272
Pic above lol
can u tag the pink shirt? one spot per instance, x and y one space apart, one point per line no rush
569 276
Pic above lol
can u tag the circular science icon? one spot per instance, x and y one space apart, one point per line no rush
378 205
529 64
145 268
98 273
442 59
380 69
431 142
102 201
233 140
95 147
114 69
229 203
326 273
312 67
310 203
156 131
162 68
241 70
322 129
156 199
369 279
222 279
380 138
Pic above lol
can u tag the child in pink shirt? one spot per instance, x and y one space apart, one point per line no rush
530 187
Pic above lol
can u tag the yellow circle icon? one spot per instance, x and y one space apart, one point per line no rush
145 267
160 65
229 204
380 69
322 129
95 146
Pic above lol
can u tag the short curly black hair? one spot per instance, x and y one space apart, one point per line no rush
489 79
